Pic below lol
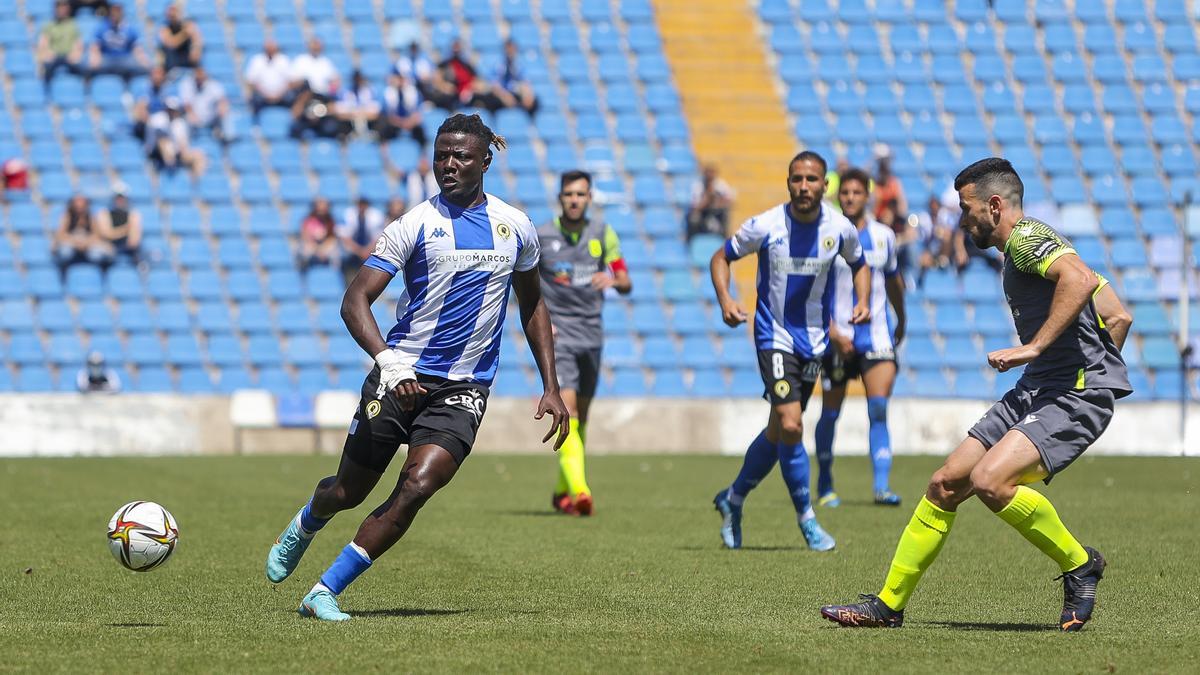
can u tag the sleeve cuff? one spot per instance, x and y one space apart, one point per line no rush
381 265
857 264
730 254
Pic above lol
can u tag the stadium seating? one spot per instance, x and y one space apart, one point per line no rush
1109 137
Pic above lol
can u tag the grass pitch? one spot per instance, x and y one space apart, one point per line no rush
488 580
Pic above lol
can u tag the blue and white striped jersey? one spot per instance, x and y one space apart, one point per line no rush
795 298
879 250
457 266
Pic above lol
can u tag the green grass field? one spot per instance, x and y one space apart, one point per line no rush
488 580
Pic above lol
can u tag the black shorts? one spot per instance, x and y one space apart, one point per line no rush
578 368
1060 423
787 377
447 415
837 370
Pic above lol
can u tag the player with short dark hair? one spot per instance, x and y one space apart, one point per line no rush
796 243
460 252
866 350
581 257
1059 407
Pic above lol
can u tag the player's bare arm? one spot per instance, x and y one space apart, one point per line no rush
1117 319
894 286
862 290
1073 286
718 269
366 287
535 319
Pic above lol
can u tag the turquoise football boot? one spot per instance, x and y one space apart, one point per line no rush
818 539
731 520
287 551
321 604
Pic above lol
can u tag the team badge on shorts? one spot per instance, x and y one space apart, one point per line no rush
503 231
373 409
782 389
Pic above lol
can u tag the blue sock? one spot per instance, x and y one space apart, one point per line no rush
309 523
760 459
350 563
793 462
825 428
881 442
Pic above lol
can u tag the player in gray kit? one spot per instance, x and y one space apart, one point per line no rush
1059 407
581 258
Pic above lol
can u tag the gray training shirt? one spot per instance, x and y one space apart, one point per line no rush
567 265
1084 356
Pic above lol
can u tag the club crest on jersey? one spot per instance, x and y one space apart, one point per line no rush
595 249
828 243
373 409
782 389
503 230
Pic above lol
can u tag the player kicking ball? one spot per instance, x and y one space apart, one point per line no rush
796 244
460 252
866 350
581 258
1059 407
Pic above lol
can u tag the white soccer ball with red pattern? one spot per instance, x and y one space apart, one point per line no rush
142 536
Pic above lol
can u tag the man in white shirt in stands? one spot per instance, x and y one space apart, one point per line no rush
205 104
315 83
421 183
269 75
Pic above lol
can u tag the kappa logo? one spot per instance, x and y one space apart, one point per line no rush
438 232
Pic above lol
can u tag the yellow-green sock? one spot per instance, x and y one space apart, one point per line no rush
1031 514
570 461
919 546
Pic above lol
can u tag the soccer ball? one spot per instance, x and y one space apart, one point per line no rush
142 536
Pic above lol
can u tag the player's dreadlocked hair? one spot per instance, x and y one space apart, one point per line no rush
472 125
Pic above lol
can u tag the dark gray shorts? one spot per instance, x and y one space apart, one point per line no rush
578 368
1060 423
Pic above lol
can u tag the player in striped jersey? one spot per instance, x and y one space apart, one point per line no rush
796 244
866 350
459 251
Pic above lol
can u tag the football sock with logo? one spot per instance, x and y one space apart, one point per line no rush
793 463
350 563
570 461
919 546
825 428
1031 514
310 524
880 441
760 459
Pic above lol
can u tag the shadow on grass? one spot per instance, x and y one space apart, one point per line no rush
408 611
137 625
760 549
529 512
997 627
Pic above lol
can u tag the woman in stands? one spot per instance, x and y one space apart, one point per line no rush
318 242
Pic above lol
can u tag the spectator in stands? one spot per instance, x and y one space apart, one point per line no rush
965 249
420 183
512 88
76 239
402 110
205 105
60 45
179 40
119 227
833 183
98 7
936 233
456 83
356 108
152 103
318 240
395 209
712 198
115 48
169 140
269 77
361 225
416 68
16 175
97 377
891 206
315 84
